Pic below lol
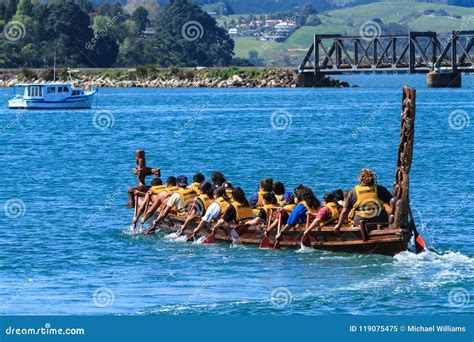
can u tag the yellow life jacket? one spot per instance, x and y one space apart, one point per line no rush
160 188
368 203
269 209
242 212
289 207
335 212
260 197
279 199
186 194
206 201
195 187
308 209
223 204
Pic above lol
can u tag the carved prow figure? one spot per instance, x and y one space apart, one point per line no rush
401 215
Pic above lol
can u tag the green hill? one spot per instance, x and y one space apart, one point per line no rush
412 15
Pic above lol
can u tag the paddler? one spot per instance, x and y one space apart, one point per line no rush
266 186
328 213
200 205
177 202
218 179
238 211
151 197
307 203
217 208
367 201
270 205
158 196
283 197
141 171
198 179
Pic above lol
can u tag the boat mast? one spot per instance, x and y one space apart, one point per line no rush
54 67
401 216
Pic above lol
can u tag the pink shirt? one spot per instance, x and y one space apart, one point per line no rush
324 214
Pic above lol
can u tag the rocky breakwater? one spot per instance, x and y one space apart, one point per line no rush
173 78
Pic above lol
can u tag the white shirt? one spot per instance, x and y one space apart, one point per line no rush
212 212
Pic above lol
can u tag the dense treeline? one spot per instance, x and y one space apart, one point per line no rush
111 35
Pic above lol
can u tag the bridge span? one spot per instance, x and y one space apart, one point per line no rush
442 56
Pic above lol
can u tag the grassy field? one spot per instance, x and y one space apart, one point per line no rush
349 20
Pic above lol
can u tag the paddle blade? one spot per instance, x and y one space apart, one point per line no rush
209 238
420 244
306 240
190 238
265 243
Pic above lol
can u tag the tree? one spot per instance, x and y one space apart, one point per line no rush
196 34
140 16
25 7
150 5
68 28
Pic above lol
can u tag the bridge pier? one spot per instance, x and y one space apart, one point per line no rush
443 80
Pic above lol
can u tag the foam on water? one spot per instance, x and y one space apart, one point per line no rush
305 249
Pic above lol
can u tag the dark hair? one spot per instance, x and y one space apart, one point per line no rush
269 198
198 178
329 197
206 188
156 181
217 178
267 184
220 192
171 181
339 195
227 185
239 196
311 200
298 190
278 188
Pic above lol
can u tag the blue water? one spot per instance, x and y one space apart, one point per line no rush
66 181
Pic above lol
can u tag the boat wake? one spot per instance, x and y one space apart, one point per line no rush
173 237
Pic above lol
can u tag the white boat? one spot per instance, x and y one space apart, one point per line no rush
52 96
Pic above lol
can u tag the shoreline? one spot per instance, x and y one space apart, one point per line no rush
151 77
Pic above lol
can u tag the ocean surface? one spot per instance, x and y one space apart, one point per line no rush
64 246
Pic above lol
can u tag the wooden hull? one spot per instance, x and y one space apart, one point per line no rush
383 241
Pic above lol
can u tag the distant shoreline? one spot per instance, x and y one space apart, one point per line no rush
151 77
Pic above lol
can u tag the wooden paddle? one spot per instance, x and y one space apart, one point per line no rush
276 245
209 238
306 240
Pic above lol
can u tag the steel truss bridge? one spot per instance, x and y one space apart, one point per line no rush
417 52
